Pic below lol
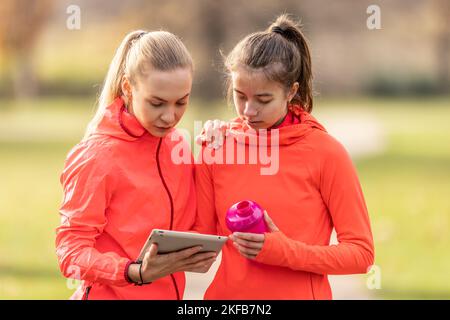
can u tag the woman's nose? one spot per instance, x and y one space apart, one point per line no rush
168 117
249 110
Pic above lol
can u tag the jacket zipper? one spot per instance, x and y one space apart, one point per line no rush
312 288
171 206
86 293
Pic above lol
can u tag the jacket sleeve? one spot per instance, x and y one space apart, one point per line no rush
342 194
87 190
206 220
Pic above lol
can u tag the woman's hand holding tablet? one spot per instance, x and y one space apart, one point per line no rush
167 252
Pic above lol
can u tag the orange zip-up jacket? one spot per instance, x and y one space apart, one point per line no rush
118 185
315 189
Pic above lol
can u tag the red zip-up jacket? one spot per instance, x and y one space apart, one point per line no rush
315 189
118 185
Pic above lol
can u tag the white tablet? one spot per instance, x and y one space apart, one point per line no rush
171 241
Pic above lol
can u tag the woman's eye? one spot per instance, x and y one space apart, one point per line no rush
265 101
156 104
182 103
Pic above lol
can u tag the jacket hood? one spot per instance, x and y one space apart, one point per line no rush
117 122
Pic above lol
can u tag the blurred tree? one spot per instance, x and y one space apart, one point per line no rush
21 22
212 35
221 24
201 27
442 9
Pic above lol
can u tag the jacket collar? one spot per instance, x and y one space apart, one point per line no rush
286 134
117 122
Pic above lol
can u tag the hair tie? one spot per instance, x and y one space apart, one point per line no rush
142 34
278 30
138 37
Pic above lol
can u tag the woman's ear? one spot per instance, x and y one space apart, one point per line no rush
293 91
126 86
127 93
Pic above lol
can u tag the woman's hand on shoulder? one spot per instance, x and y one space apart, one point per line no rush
213 133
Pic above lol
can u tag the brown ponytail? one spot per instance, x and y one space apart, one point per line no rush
282 53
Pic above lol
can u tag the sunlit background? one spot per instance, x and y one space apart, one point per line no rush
384 93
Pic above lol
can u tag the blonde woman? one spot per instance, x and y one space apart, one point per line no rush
119 182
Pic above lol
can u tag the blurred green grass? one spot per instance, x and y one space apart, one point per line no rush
406 189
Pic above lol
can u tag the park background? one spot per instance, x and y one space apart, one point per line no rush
384 93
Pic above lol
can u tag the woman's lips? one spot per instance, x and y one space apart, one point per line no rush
163 128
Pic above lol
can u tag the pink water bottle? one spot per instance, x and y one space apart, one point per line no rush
246 216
